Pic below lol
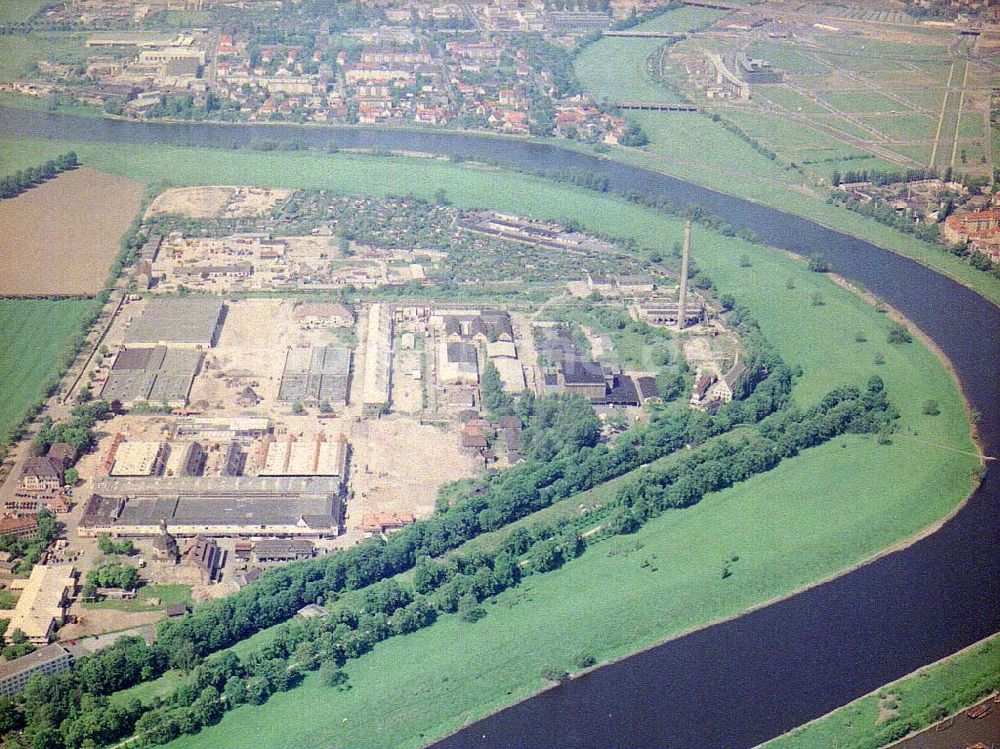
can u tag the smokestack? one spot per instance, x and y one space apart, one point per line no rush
682 296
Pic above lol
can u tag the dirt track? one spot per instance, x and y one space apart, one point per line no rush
61 237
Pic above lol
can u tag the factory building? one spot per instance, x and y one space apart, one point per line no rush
178 323
314 375
152 375
316 456
234 506
378 359
45 597
458 363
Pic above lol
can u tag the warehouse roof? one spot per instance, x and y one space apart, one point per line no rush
152 374
231 510
178 321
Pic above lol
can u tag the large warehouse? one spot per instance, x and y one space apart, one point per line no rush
236 506
315 374
177 322
152 375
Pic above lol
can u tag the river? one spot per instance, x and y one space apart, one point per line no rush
742 682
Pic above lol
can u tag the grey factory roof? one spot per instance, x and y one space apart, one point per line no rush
208 486
152 374
316 374
179 321
582 372
462 353
229 509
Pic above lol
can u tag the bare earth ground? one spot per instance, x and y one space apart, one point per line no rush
53 238
95 621
215 200
399 465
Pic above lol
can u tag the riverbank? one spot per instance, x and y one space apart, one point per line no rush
922 698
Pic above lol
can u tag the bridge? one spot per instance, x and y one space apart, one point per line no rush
717 4
645 34
654 106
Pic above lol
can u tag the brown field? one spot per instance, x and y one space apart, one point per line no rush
60 237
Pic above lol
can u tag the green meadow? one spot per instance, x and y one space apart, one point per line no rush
20 52
33 337
15 11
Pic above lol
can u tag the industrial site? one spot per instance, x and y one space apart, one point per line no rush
230 432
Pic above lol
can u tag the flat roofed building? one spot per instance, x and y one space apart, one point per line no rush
42 605
378 359
316 456
178 322
221 428
138 39
152 375
236 506
14 675
315 374
281 550
498 349
458 363
171 54
511 374
139 458
184 459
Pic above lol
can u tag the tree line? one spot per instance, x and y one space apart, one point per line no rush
881 178
23 180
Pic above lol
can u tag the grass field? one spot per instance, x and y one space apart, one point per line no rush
685 18
14 11
614 69
815 514
923 697
20 52
33 334
168 595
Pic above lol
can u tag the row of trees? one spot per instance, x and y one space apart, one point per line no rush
886 178
111 575
497 401
25 179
